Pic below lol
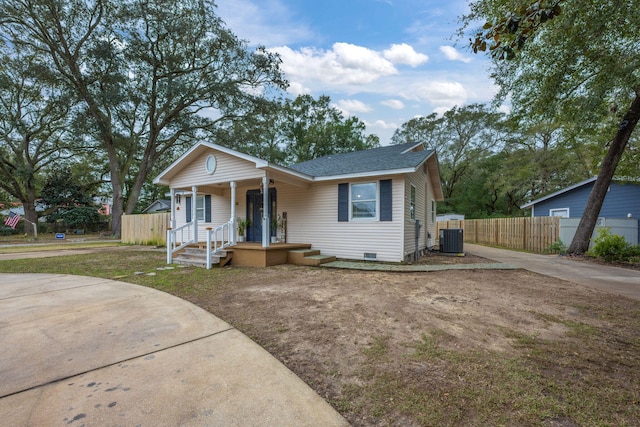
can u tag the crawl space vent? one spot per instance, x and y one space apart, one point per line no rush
370 256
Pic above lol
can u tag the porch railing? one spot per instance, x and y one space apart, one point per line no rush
183 234
218 239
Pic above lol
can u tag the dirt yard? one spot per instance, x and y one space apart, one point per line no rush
444 348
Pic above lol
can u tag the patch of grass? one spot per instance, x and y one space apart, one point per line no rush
39 247
187 283
427 348
439 386
378 348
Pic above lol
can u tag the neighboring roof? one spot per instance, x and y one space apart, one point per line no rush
403 157
570 188
158 205
557 193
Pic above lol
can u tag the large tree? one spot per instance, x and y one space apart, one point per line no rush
150 74
295 130
462 136
311 128
573 60
34 125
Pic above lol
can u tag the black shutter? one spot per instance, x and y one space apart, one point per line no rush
343 202
207 208
188 206
386 203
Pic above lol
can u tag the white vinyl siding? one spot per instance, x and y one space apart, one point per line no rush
417 190
228 168
312 217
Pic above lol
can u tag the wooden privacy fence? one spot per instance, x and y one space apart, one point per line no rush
533 234
148 229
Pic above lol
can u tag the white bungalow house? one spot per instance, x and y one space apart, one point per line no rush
377 204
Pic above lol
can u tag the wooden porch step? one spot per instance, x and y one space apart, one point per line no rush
308 257
197 257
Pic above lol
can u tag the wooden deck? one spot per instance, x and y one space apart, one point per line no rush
252 254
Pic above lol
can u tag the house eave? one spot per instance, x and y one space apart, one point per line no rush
161 178
557 193
367 174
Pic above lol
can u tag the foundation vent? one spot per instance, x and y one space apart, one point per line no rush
368 256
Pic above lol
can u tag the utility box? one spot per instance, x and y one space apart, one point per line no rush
451 240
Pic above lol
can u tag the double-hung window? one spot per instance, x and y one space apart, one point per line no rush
203 208
200 208
364 200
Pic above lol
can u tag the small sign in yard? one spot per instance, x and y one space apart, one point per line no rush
59 235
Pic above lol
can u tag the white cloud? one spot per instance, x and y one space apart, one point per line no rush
297 88
396 104
351 106
344 64
452 54
439 93
380 124
405 54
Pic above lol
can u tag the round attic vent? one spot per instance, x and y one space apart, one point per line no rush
210 164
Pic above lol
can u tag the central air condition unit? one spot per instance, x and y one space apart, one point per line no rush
451 241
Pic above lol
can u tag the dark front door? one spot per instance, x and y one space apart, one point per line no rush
254 213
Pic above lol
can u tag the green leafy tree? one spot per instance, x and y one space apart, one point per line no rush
575 61
311 128
34 126
65 198
541 158
150 74
461 137
258 133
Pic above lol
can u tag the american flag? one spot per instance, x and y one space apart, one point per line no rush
12 220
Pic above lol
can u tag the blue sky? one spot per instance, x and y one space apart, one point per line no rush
384 61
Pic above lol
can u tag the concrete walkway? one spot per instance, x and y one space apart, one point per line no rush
82 351
616 280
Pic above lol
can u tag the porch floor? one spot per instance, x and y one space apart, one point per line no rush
252 254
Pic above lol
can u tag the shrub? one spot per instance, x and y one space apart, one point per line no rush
7 231
612 247
556 247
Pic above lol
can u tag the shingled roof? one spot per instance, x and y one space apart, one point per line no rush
382 159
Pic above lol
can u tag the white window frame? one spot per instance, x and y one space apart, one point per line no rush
433 211
552 212
412 203
377 202
200 208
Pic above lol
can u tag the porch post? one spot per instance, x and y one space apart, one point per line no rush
194 212
173 209
232 221
265 212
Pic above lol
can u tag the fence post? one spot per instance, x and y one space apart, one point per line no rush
169 246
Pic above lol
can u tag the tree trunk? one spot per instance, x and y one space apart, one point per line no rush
580 243
117 209
30 213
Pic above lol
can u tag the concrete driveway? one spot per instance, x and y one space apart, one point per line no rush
616 280
82 351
